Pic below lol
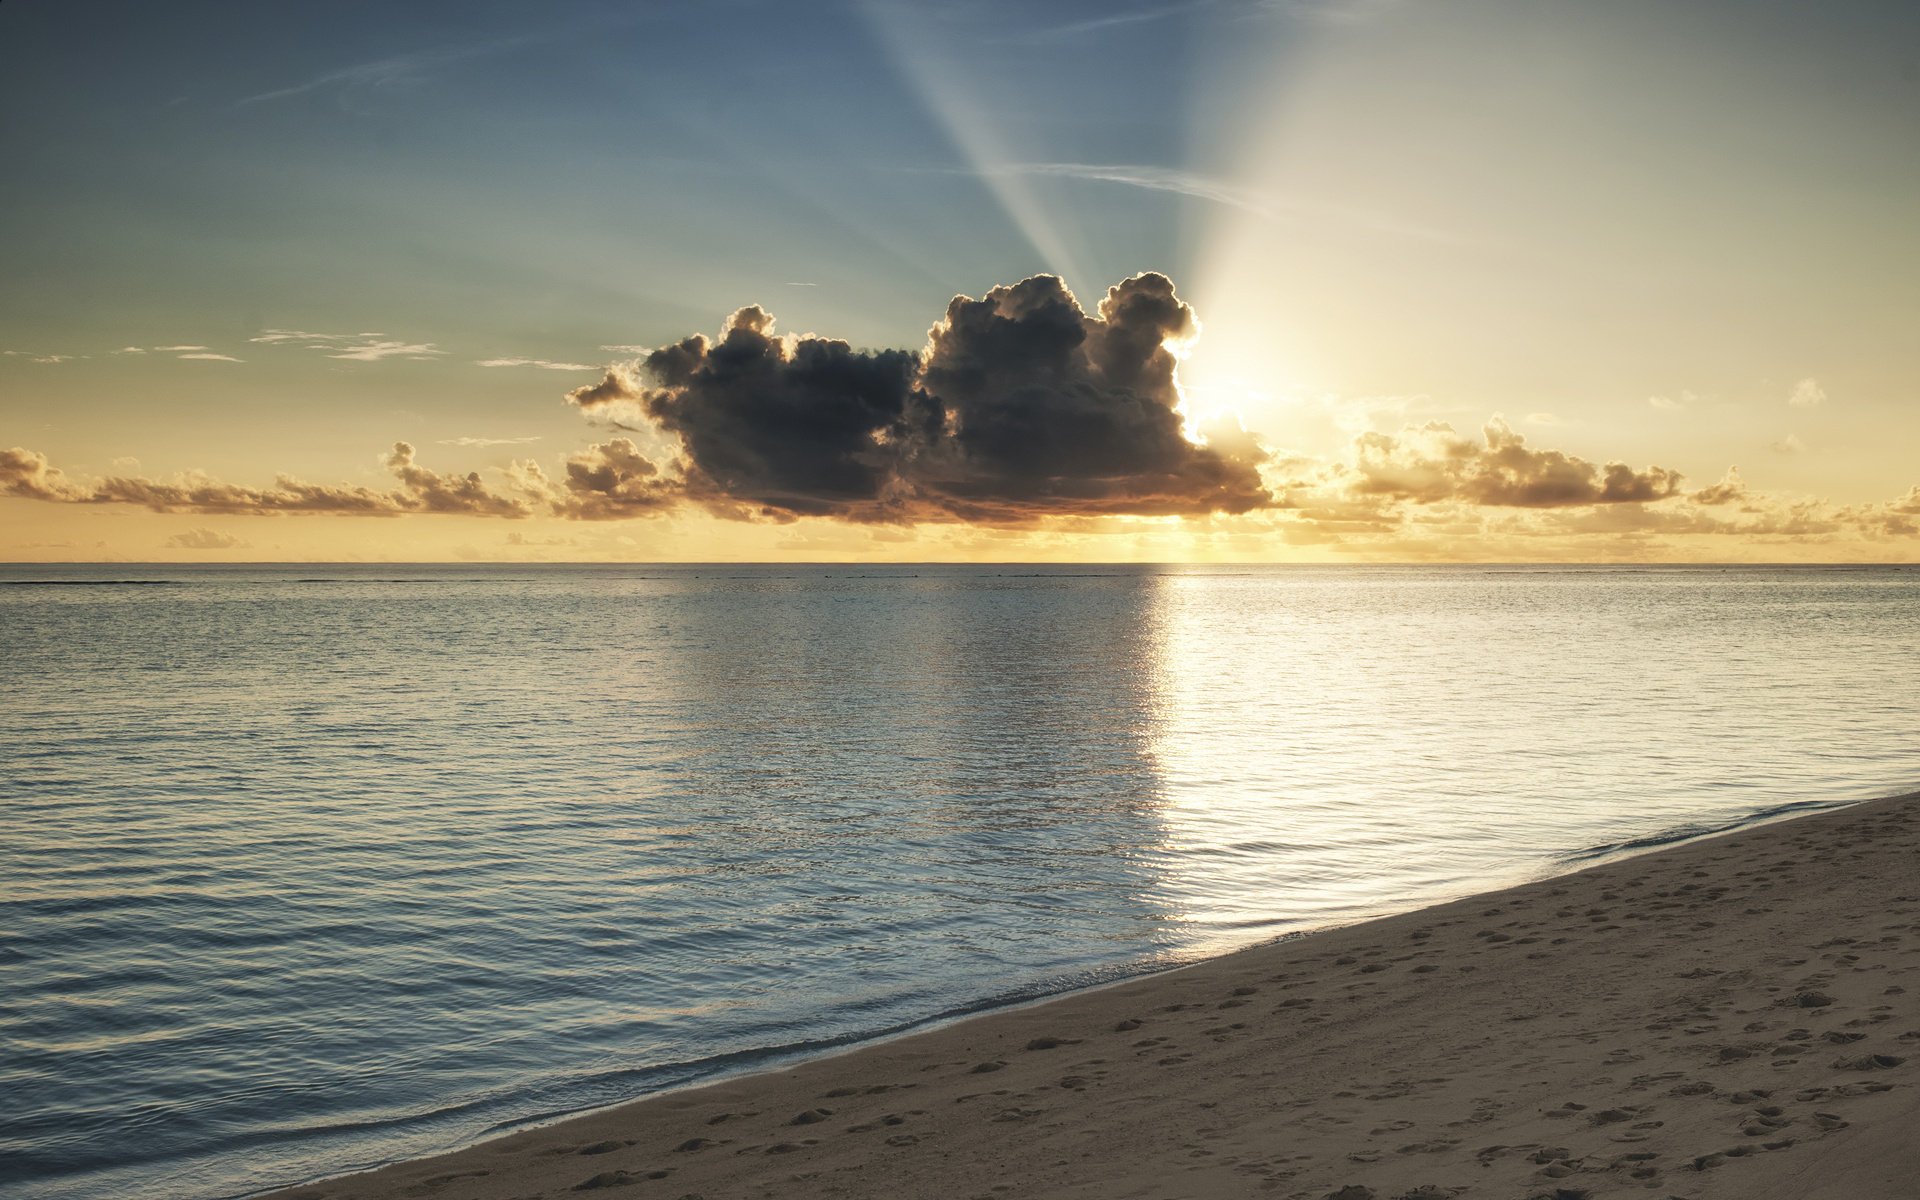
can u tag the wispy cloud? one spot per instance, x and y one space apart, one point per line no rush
542 363
1334 12
1095 25
388 74
178 349
1201 186
355 347
376 351
1330 11
1157 179
276 336
487 441
210 357
45 360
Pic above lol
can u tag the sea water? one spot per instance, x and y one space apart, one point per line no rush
303 869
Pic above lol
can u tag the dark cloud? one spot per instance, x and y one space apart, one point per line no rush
1432 463
1052 411
28 473
1022 406
803 426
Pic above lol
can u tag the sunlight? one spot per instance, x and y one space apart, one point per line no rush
952 98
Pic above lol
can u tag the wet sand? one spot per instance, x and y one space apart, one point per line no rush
1732 1017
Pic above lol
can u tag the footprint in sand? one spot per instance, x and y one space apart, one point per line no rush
607 1147
606 1179
1868 1062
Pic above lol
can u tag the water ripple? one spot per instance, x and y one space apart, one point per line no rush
301 878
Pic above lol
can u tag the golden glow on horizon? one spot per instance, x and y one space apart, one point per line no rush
1441 321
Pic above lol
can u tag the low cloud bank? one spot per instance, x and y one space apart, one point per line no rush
28 474
1020 408
1432 463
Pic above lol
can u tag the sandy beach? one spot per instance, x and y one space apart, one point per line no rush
1728 1017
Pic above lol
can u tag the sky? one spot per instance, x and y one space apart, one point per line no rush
1186 280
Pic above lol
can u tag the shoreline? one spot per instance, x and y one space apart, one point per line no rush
775 1059
979 1097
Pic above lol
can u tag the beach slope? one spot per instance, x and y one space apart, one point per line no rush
1730 1017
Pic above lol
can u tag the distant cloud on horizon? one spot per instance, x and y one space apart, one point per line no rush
205 539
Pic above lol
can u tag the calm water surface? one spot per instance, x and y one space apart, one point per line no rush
305 869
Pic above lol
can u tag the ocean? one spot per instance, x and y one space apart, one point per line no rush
308 868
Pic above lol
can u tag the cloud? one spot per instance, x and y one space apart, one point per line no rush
130 350
45 360
1049 410
543 364
802 426
204 539
1093 25
429 491
1731 489
361 81
1807 394
322 340
377 75
1153 179
1022 406
1431 463
355 347
28 474
1790 444
213 357
178 349
605 482
375 351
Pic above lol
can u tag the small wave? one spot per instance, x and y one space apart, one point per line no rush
1686 833
89 583
655 1078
